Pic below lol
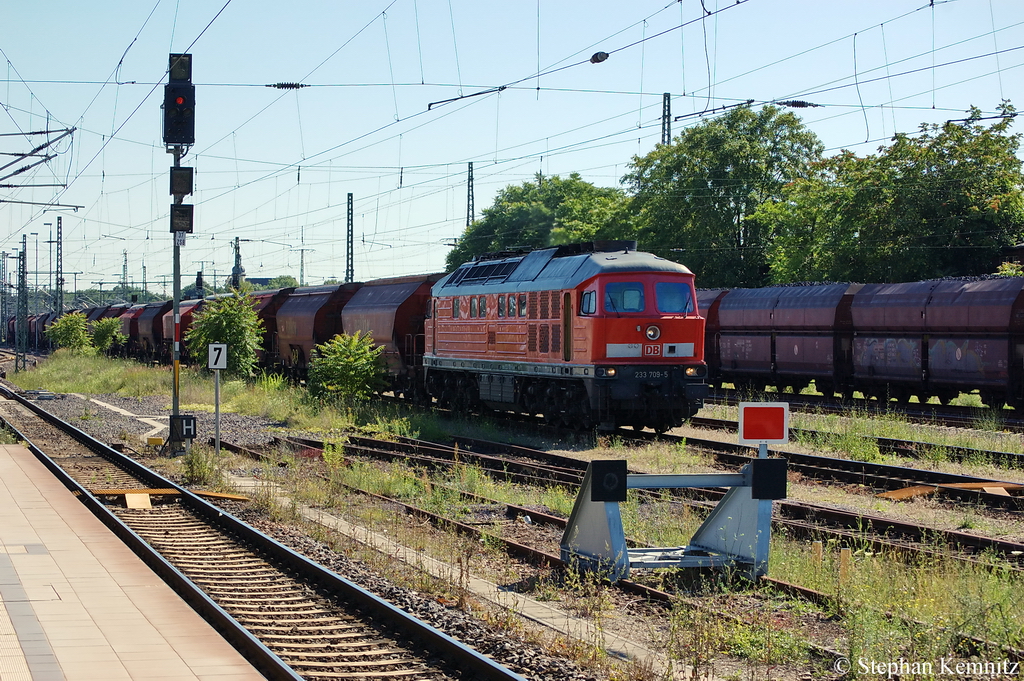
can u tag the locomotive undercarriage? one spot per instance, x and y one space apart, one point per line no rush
559 402
573 403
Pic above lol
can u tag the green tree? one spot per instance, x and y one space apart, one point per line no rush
283 281
70 331
232 320
106 333
545 212
692 198
347 366
945 201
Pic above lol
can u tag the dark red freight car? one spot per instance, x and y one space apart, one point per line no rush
785 336
392 312
151 330
267 304
130 328
940 338
309 316
186 309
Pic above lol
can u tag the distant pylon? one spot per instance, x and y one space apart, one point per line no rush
470 210
666 118
350 268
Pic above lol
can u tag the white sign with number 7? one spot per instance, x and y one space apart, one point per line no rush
218 356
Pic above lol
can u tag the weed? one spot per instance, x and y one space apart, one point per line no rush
200 467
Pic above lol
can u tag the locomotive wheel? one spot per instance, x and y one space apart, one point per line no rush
663 427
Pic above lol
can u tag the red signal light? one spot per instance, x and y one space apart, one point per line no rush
179 100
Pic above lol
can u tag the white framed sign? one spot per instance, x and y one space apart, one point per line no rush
218 355
764 423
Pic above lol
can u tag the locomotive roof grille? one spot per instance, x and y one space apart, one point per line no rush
552 268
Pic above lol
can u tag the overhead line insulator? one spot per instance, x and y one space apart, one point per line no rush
287 86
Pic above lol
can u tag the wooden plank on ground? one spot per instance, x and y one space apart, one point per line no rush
167 492
137 500
907 492
996 490
985 485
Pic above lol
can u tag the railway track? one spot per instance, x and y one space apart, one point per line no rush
533 467
903 448
963 488
292 618
932 414
548 556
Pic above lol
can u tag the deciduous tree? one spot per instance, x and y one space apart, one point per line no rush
544 213
692 198
231 320
945 201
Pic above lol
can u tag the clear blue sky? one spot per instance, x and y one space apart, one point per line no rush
273 167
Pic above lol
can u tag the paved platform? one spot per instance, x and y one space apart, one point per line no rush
77 604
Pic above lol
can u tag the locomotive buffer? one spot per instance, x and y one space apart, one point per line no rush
736 533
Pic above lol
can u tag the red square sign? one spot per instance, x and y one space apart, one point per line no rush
766 422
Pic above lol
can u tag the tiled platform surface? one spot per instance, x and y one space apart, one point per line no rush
77 604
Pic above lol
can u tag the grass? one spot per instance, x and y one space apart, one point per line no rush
948 595
268 396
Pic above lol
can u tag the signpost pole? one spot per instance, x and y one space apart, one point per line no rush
217 354
216 410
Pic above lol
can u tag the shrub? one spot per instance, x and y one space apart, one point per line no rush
231 320
70 331
107 333
346 366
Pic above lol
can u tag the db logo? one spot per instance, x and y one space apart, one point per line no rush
651 350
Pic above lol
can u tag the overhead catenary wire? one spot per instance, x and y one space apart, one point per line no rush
580 144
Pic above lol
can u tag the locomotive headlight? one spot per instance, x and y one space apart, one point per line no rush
695 371
605 371
653 332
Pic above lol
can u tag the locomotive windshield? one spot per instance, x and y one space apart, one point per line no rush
624 296
673 297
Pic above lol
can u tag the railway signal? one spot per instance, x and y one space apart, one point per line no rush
180 102
179 131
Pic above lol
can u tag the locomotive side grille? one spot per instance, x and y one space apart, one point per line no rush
544 347
556 337
531 338
533 306
556 305
491 338
544 306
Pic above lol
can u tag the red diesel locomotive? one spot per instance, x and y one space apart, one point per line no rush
584 334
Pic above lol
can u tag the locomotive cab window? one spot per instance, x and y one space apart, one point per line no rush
512 306
472 308
501 306
483 306
522 304
588 302
624 296
673 297
455 307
